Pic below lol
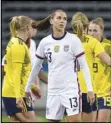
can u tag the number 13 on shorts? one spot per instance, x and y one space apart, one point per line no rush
73 102
75 105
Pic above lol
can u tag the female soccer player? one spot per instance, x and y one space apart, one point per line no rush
62 49
92 47
17 66
102 73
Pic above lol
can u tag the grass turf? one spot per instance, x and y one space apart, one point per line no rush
39 119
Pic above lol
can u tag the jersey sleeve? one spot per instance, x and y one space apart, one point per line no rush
40 50
77 47
18 53
17 78
32 52
98 48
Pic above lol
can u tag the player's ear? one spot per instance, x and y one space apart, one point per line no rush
27 28
51 21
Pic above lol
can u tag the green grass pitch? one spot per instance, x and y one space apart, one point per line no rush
39 119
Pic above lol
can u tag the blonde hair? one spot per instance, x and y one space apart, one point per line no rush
79 23
19 23
99 21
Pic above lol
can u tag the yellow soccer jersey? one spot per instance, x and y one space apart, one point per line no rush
17 68
102 77
91 47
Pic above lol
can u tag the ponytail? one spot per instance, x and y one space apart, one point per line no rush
80 30
79 24
41 24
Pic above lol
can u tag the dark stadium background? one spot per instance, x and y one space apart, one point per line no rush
39 10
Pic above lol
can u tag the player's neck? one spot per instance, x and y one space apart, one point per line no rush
58 34
22 36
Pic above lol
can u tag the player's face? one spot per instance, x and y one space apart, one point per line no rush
95 31
34 31
30 31
59 21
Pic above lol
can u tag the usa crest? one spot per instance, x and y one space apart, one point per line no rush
66 48
56 48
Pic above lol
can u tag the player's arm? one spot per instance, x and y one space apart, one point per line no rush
36 67
86 72
83 65
17 67
18 54
43 77
79 53
101 54
34 72
105 58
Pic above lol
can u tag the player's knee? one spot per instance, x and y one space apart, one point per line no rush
21 117
32 120
13 119
102 119
74 118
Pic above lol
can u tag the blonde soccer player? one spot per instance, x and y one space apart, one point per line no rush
91 47
17 67
102 73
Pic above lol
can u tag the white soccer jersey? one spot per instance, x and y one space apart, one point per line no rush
61 54
33 58
32 51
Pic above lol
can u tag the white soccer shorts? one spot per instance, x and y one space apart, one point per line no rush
57 104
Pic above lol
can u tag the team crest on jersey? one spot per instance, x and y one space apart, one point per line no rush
66 48
56 48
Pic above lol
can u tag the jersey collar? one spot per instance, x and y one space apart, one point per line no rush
59 37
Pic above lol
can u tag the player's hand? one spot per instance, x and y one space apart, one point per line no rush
19 103
36 91
90 97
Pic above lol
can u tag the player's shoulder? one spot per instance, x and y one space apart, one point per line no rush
73 38
91 39
107 41
16 41
46 39
13 41
16 44
32 43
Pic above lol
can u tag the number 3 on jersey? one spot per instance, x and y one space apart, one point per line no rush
49 54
